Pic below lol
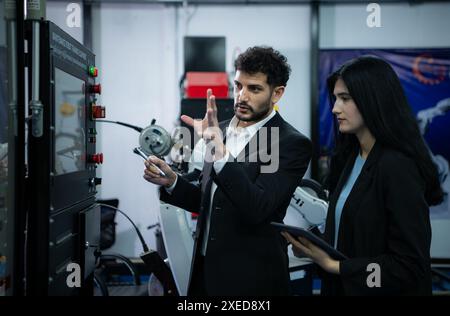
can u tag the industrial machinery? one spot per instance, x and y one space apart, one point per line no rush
308 208
63 229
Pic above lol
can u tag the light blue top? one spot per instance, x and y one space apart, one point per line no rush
357 167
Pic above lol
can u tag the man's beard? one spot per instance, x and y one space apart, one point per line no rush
254 116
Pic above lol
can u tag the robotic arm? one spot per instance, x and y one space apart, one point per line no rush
307 208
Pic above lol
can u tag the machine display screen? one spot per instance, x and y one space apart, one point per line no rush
70 118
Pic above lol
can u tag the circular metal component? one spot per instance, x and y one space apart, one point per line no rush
155 140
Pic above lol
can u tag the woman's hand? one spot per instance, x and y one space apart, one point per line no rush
303 247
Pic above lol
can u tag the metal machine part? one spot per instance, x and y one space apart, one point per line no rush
179 242
155 140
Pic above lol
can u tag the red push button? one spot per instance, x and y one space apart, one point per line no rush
98 111
96 88
96 158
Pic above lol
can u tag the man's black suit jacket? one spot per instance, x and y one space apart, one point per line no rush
245 255
385 221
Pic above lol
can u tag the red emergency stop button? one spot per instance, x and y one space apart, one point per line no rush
96 88
96 158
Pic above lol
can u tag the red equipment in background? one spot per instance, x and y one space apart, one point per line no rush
198 82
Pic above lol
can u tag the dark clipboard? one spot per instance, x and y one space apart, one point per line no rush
297 231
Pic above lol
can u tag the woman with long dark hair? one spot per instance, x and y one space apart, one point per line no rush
381 182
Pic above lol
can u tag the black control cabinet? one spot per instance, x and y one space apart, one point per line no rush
63 225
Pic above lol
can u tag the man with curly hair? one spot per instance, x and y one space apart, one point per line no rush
253 163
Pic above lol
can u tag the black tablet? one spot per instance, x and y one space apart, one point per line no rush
297 231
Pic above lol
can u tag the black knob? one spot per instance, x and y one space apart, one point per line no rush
95 181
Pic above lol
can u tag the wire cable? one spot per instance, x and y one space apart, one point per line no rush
144 245
137 128
128 264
